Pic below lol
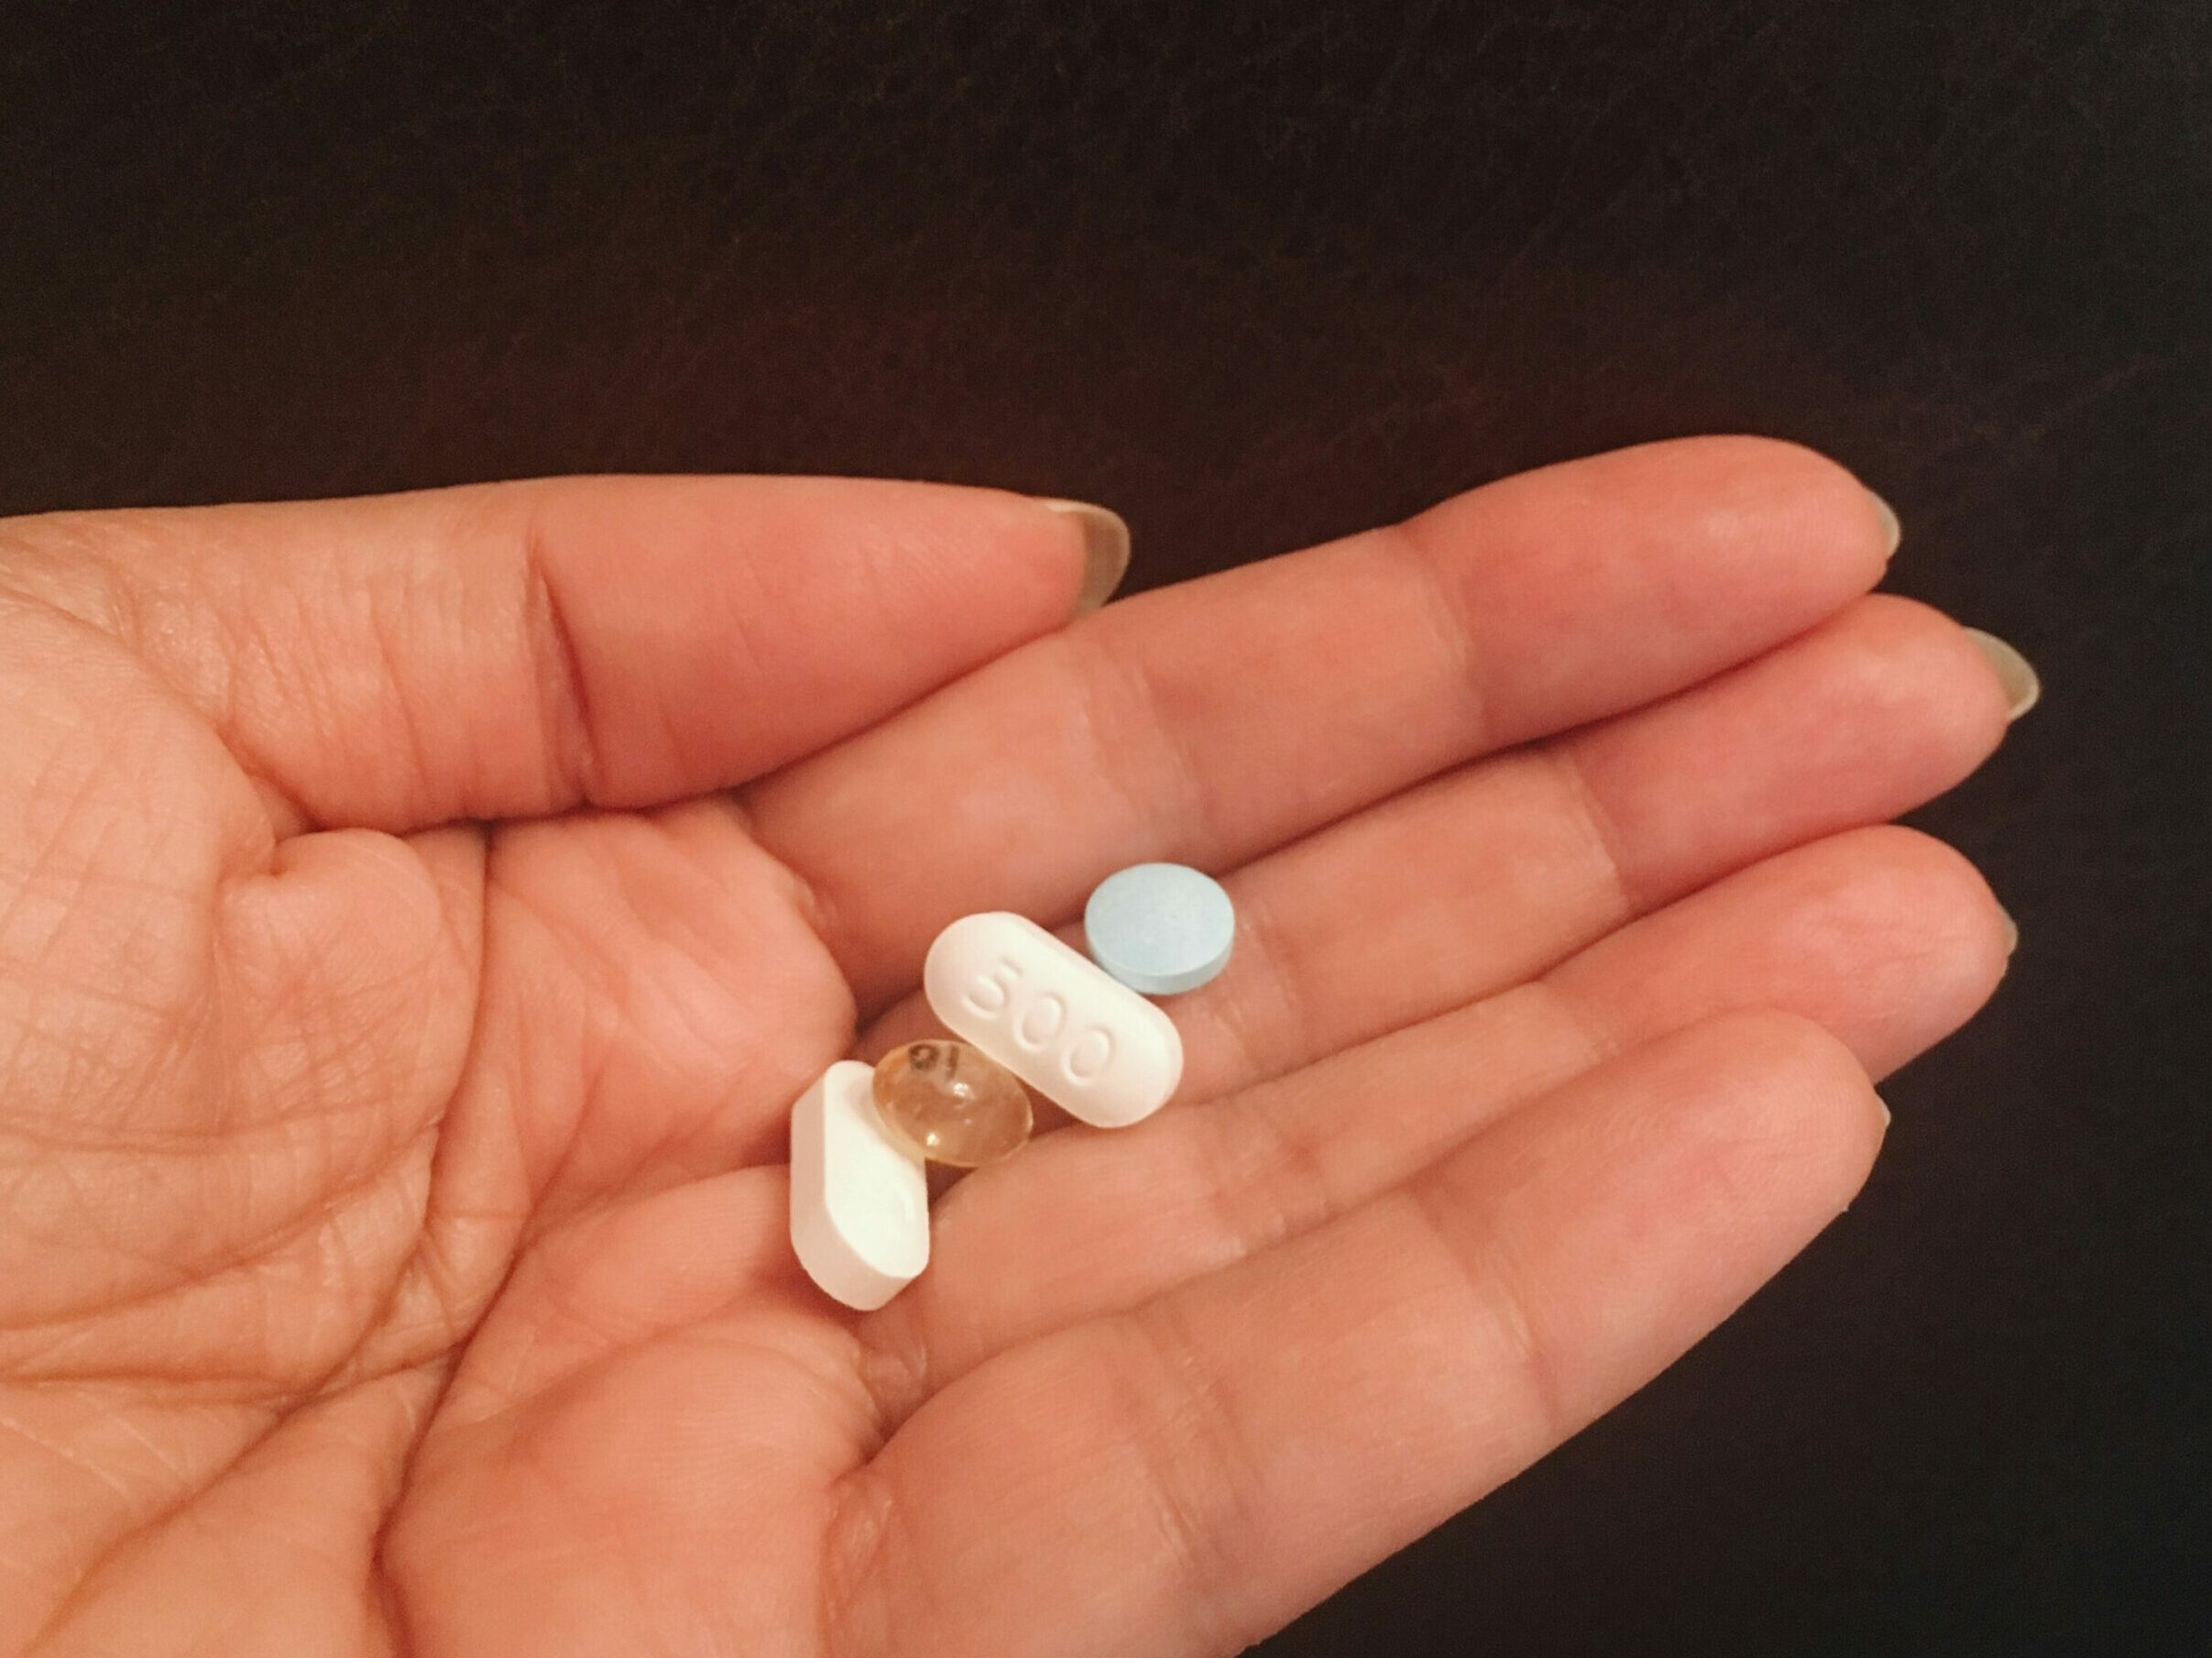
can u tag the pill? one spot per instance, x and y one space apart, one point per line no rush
952 1103
1160 927
860 1202
1090 1045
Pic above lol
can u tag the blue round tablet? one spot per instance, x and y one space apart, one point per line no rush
1160 927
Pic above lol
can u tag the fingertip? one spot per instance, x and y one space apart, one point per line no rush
1885 937
2016 676
1885 515
1812 507
1908 660
1713 549
1871 714
1104 538
1788 1096
1926 940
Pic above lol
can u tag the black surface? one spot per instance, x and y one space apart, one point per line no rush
1257 276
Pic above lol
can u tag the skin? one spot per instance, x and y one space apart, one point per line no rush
417 916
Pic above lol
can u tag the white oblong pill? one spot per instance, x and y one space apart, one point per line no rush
1054 1019
860 1200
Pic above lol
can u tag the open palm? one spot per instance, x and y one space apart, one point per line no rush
418 915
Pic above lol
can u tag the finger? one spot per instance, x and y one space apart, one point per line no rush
1210 722
513 649
1184 1479
1490 874
1885 938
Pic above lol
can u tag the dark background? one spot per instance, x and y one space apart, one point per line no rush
1260 276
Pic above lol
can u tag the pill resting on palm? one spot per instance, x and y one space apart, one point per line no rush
1161 928
952 1103
1090 1045
860 1200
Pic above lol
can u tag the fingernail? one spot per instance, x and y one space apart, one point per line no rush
2021 687
2011 931
1105 552
1887 1119
1892 532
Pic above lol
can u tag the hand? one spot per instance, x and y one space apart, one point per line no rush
418 915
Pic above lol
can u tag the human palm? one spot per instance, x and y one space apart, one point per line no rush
417 916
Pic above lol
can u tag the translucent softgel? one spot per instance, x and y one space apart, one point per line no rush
952 1103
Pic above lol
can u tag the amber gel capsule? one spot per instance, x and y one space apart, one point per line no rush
952 1103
